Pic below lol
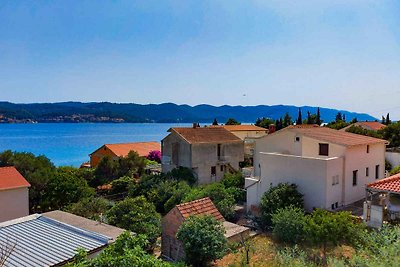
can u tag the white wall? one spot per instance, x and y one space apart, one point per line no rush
357 158
393 158
311 175
249 134
14 203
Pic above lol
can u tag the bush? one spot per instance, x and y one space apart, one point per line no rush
122 185
288 224
182 174
136 215
203 239
395 170
90 208
154 155
278 197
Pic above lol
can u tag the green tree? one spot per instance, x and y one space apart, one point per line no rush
91 208
105 172
264 122
203 239
318 119
132 165
278 197
395 170
136 215
339 117
122 185
232 121
388 121
324 228
392 134
215 122
287 120
288 224
299 120
221 197
182 174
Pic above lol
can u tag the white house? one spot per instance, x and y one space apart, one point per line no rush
208 151
330 167
14 194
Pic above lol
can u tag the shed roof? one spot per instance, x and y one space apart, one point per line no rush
41 241
333 136
206 135
142 148
389 184
10 178
203 206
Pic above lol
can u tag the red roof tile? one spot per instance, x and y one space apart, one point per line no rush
333 136
206 135
202 206
391 184
10 178
142 148
244 127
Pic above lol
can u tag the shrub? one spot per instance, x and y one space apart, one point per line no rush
203 239
154 155
288 224
90 208
395 170
278 197
136 215
182 174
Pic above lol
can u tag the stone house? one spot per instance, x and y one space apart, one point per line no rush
330 167
172 248
208 151
14 194
116 151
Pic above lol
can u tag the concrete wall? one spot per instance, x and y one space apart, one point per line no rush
14 203
311 175
357 158
393 158
249 134
201 157
170 246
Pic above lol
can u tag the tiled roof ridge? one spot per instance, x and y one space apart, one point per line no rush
386 180
129 143
194 201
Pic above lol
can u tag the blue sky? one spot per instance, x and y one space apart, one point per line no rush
342 55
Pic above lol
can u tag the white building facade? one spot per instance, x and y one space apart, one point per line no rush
331 168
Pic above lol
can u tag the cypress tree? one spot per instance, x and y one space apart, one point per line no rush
388 119
318 117
299 118
215 122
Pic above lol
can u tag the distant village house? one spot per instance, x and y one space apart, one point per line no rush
367 125
116 151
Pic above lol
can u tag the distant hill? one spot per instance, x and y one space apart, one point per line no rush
167 112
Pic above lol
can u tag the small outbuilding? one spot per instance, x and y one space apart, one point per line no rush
172 248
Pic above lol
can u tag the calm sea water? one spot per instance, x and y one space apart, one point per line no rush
71 143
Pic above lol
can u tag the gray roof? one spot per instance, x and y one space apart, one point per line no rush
41 241
86 224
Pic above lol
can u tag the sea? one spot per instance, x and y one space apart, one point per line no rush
69 144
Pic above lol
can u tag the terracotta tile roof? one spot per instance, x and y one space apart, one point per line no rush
334 136
391 184
10 178
369 125
142 148
203 206
206 135
243 127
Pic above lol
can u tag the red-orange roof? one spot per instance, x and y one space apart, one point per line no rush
203 206
142 148
333 136
243 127
10 178
389 184
206 135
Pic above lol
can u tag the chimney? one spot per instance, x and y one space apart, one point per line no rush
271 128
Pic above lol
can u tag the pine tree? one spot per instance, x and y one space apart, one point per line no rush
319 122
388 121
344 117
299 118
309 117
215 122
287 120
339 117
383 120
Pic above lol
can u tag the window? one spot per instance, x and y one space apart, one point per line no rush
367 171
367 148
355 177
335 179
297 139
222 168
219 150
213 170
323 149
377 172
333 206
336 205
